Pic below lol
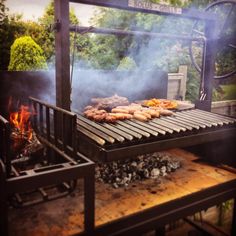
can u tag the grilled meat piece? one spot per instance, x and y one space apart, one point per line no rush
109 102
100 110
140 116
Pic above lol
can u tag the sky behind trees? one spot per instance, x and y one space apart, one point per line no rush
32 9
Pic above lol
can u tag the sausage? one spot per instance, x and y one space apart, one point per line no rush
139 116
128 116
143 113
119 110
119 116
99 118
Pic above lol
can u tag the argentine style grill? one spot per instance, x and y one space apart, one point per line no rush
72 138
110 142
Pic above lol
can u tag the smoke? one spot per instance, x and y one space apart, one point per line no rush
155 57
100 83
48 93
152 56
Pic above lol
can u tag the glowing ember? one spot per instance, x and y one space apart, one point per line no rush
21 121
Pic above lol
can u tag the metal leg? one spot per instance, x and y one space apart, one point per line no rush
89 202
233 228
160 231
3 202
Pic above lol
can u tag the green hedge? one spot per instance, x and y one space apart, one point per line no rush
26 54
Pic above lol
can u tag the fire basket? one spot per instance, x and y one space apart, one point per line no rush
59 163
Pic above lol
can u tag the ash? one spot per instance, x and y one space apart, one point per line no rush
123 172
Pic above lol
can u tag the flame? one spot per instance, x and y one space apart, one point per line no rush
21 121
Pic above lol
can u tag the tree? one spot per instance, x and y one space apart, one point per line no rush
12 27
26 55
47 39
127 63
147 52
3 11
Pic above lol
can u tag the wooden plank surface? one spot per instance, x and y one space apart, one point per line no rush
65 216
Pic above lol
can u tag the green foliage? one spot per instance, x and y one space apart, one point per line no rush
13 27
110 52
230 91
26 55
3 11
47 40
127 63
193 83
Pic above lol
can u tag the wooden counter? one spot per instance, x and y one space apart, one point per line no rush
193 182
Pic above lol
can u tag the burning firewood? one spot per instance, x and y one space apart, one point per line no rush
24 142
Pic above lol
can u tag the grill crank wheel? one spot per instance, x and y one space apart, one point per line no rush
225 10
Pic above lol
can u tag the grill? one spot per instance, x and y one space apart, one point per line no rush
65 132
69 135
129 138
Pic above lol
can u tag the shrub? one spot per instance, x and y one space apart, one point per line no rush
127 63
26 54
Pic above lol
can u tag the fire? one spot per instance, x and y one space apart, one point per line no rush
21 121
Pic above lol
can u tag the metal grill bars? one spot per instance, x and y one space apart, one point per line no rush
180 123
55 126
5 144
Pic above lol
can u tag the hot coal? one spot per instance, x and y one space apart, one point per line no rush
22 146
123 172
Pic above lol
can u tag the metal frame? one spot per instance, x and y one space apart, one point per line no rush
168 212
84 29
117 153
109 142
220 41
62 43
159 215
74 165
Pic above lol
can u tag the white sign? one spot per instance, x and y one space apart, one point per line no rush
144 4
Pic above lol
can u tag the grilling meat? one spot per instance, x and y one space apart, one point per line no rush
112 109
120 110
109 102
103 116
161 103
140 116
121 116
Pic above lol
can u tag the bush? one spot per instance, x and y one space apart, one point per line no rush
26 54
127 63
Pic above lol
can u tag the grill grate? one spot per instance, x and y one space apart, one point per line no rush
181 123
